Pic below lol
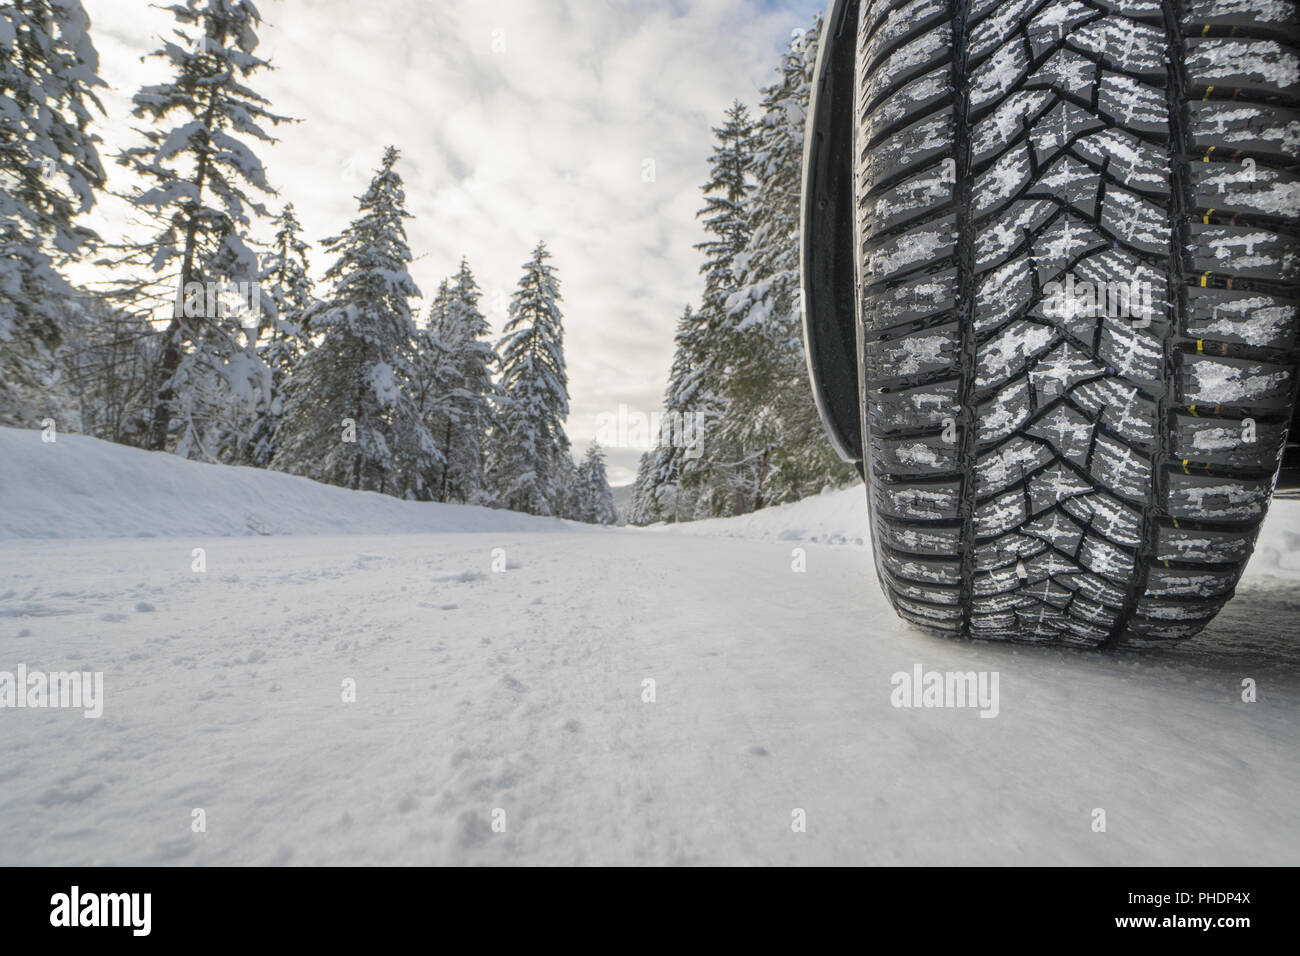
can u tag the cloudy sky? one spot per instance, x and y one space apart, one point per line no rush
518 120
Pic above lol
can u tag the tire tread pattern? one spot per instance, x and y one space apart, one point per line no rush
1074 479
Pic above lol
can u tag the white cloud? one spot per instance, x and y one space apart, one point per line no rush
543 138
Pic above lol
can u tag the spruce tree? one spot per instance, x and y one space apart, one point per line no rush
202 173
349 415
49 172
597 498
570 498
770 417
289 293
643 508
284 335
740 359
432 381
462 330
726 212
673 471
708 343
529 442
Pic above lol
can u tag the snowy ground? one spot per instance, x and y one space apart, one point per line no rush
522 691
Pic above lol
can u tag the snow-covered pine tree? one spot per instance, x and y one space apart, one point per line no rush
570 497
288 294
49 171
288 291
596 496
528 440
713 479
769 414
672 473
200 169
432 380
740 359
726 210
462 330
349 415
439 306
643 508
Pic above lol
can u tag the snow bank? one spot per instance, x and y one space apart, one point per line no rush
840 518
833 517
81 487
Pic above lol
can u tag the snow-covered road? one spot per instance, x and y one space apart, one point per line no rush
523 691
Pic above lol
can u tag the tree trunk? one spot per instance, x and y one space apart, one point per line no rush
446 460
359 460
171 357
762 471
171 361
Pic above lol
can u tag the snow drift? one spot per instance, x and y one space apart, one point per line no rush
840 518
81 487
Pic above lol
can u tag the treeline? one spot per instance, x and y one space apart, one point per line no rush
739 370
205 342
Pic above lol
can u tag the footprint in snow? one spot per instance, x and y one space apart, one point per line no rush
465 577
